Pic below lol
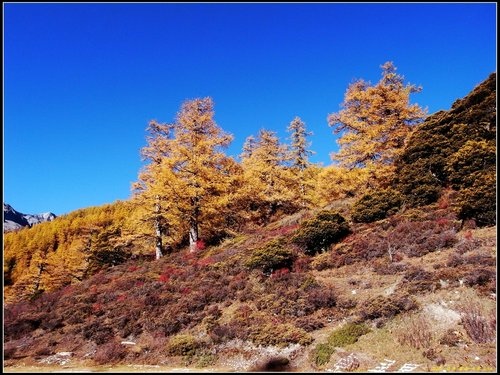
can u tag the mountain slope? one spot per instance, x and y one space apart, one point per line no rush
455 148
416 289
209 309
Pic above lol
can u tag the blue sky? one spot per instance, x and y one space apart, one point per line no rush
82 80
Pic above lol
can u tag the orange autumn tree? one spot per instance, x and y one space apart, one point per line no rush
186 187
269 184
375 122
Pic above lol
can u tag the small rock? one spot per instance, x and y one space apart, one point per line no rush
128 343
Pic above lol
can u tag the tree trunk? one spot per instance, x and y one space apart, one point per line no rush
193 237
158 242
38 279
390 250
302 195
193 225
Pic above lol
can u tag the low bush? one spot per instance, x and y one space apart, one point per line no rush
109 353
417 238
272 256
309 323
279 335
182 344
321 297
480 327
414 331
480 277
376 205
348 334
323 261
9 352
346 303
97 332
417 182
469 162
322 354
21 326
450 338
205 359
478 202
317 234
386 307
480 259
225 332
418 280
385 267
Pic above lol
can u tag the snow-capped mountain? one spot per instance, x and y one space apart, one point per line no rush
13 220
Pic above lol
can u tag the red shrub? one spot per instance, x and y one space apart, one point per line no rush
205 262
480 327
480 277
309 323
226 332
280 272
444 202
418 280
164 277
322 297
111 352
97 332
443 221
238 282
301 264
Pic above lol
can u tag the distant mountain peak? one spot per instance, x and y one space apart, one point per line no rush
14 220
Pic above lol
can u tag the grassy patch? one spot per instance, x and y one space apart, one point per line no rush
343 336
348 334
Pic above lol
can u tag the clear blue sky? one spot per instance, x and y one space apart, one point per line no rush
82 80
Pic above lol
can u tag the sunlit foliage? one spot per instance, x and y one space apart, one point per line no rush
186 187
375 121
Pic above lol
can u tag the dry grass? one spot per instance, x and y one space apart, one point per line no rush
381 344
415 331
478 320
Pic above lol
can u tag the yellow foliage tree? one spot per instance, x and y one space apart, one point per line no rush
269 183
335 182
56 253
186 186
375 121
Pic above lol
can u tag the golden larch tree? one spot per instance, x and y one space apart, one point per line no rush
186 182
269 182
375 121
151 200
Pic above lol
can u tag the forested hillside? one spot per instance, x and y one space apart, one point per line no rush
214 261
